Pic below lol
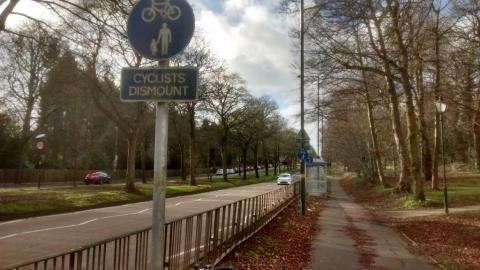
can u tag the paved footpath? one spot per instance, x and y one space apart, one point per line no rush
334 248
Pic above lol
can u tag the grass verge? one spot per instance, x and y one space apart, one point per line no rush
463 190
29 202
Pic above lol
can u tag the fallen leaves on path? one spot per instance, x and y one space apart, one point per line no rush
285 243
452 240
363 243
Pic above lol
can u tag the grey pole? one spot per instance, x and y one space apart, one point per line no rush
318 117
318 126
115 158
445 192
159 182
302 101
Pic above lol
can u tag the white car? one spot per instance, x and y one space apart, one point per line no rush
284 179
219 172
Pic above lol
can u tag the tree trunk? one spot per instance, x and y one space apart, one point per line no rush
209 169
371 120
131 157
143 157
192 146
426 152
412 127
476 132
244 157
403 184
25 138
6 12
265 159
376 150
224 159
183 170
255 158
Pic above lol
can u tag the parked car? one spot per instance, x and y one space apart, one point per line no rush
284 179
98 178
229 171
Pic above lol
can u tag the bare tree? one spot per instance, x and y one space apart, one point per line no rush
197 54
225 101
24 68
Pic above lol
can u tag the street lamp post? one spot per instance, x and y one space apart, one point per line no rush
40 146
115 157
441 108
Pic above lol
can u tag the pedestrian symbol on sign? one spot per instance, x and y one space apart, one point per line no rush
165 38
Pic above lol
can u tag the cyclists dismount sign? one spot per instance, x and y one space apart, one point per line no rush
160 29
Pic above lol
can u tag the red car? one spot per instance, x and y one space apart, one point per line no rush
98 178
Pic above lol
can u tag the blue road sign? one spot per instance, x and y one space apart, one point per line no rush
159 84
160 29
302 155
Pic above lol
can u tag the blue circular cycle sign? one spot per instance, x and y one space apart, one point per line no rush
160 29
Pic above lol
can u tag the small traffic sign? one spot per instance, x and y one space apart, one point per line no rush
302 155
160 29
159 84
302 136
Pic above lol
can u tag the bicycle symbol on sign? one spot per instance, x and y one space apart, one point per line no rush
163 8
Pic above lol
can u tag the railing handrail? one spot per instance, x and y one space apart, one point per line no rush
145 229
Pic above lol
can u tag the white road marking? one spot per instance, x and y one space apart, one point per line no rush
197 200
177 204
213 200
10 222
73 225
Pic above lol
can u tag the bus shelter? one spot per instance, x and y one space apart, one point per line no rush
316 177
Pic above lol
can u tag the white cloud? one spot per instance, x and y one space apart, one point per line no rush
255 42
232 6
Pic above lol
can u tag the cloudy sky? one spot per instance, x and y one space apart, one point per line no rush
252 36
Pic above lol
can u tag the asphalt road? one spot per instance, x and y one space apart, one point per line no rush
26 239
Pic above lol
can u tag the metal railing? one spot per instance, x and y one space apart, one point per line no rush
203 238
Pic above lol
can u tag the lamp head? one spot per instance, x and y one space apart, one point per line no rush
441 107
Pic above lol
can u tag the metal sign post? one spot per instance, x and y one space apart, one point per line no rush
159 183
159 30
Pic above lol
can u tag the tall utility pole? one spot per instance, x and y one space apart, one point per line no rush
302 101
318 118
